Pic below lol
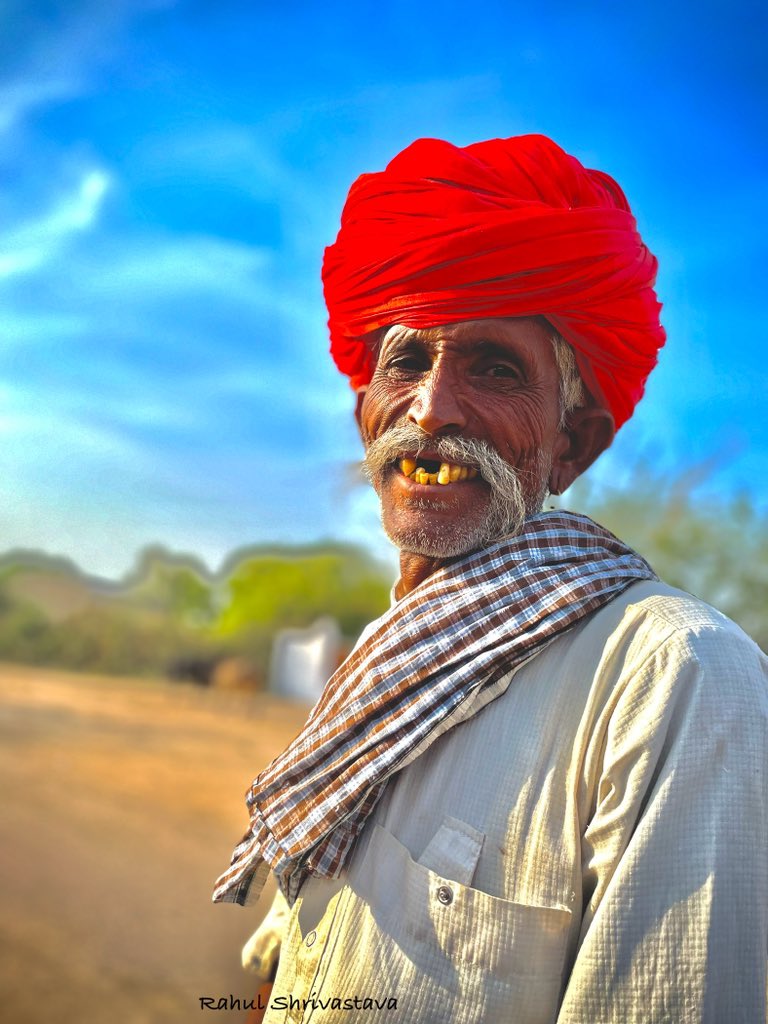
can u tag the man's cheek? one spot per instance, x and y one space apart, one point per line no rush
382 406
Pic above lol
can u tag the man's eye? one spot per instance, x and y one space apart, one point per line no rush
406 363
502 370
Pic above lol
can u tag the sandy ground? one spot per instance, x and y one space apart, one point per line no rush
120 803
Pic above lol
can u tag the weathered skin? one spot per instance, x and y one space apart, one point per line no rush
496 380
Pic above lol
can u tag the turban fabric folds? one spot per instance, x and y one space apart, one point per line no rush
503 228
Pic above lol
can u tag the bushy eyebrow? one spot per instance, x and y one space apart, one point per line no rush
490 349
399 337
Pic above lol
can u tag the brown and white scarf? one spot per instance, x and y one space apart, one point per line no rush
432 661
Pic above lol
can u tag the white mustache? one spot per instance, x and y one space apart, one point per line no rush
409 439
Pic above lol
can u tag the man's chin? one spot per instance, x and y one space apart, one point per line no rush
451 543
434 547
450 522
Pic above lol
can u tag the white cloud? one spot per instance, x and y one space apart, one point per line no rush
58 55
243 155
24 326
53 436
170 266
39 241
18 99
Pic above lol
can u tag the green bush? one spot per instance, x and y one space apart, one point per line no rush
714 548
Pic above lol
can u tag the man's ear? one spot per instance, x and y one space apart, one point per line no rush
359 398
588 432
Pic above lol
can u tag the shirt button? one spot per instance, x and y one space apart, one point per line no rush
310 939
445 894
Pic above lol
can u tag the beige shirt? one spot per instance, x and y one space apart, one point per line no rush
590 848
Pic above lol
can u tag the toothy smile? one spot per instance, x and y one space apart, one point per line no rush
430 471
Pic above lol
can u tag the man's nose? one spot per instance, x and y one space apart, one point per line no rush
436 407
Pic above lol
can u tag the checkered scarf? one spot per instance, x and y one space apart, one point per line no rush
432 661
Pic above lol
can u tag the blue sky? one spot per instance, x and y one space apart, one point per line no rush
172 171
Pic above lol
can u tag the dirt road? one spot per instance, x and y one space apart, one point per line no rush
120 802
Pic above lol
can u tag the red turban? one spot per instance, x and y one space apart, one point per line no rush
508 227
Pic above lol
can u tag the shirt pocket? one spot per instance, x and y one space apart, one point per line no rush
448 945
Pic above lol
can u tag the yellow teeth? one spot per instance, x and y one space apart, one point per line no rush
447 474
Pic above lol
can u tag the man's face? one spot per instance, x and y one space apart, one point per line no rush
494 381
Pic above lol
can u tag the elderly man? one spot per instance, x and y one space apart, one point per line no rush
535 791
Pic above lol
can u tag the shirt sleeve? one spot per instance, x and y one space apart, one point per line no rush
675 852
262 951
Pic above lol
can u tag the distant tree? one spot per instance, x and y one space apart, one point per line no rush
175 584
171 611
272 591
26 635
714 548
